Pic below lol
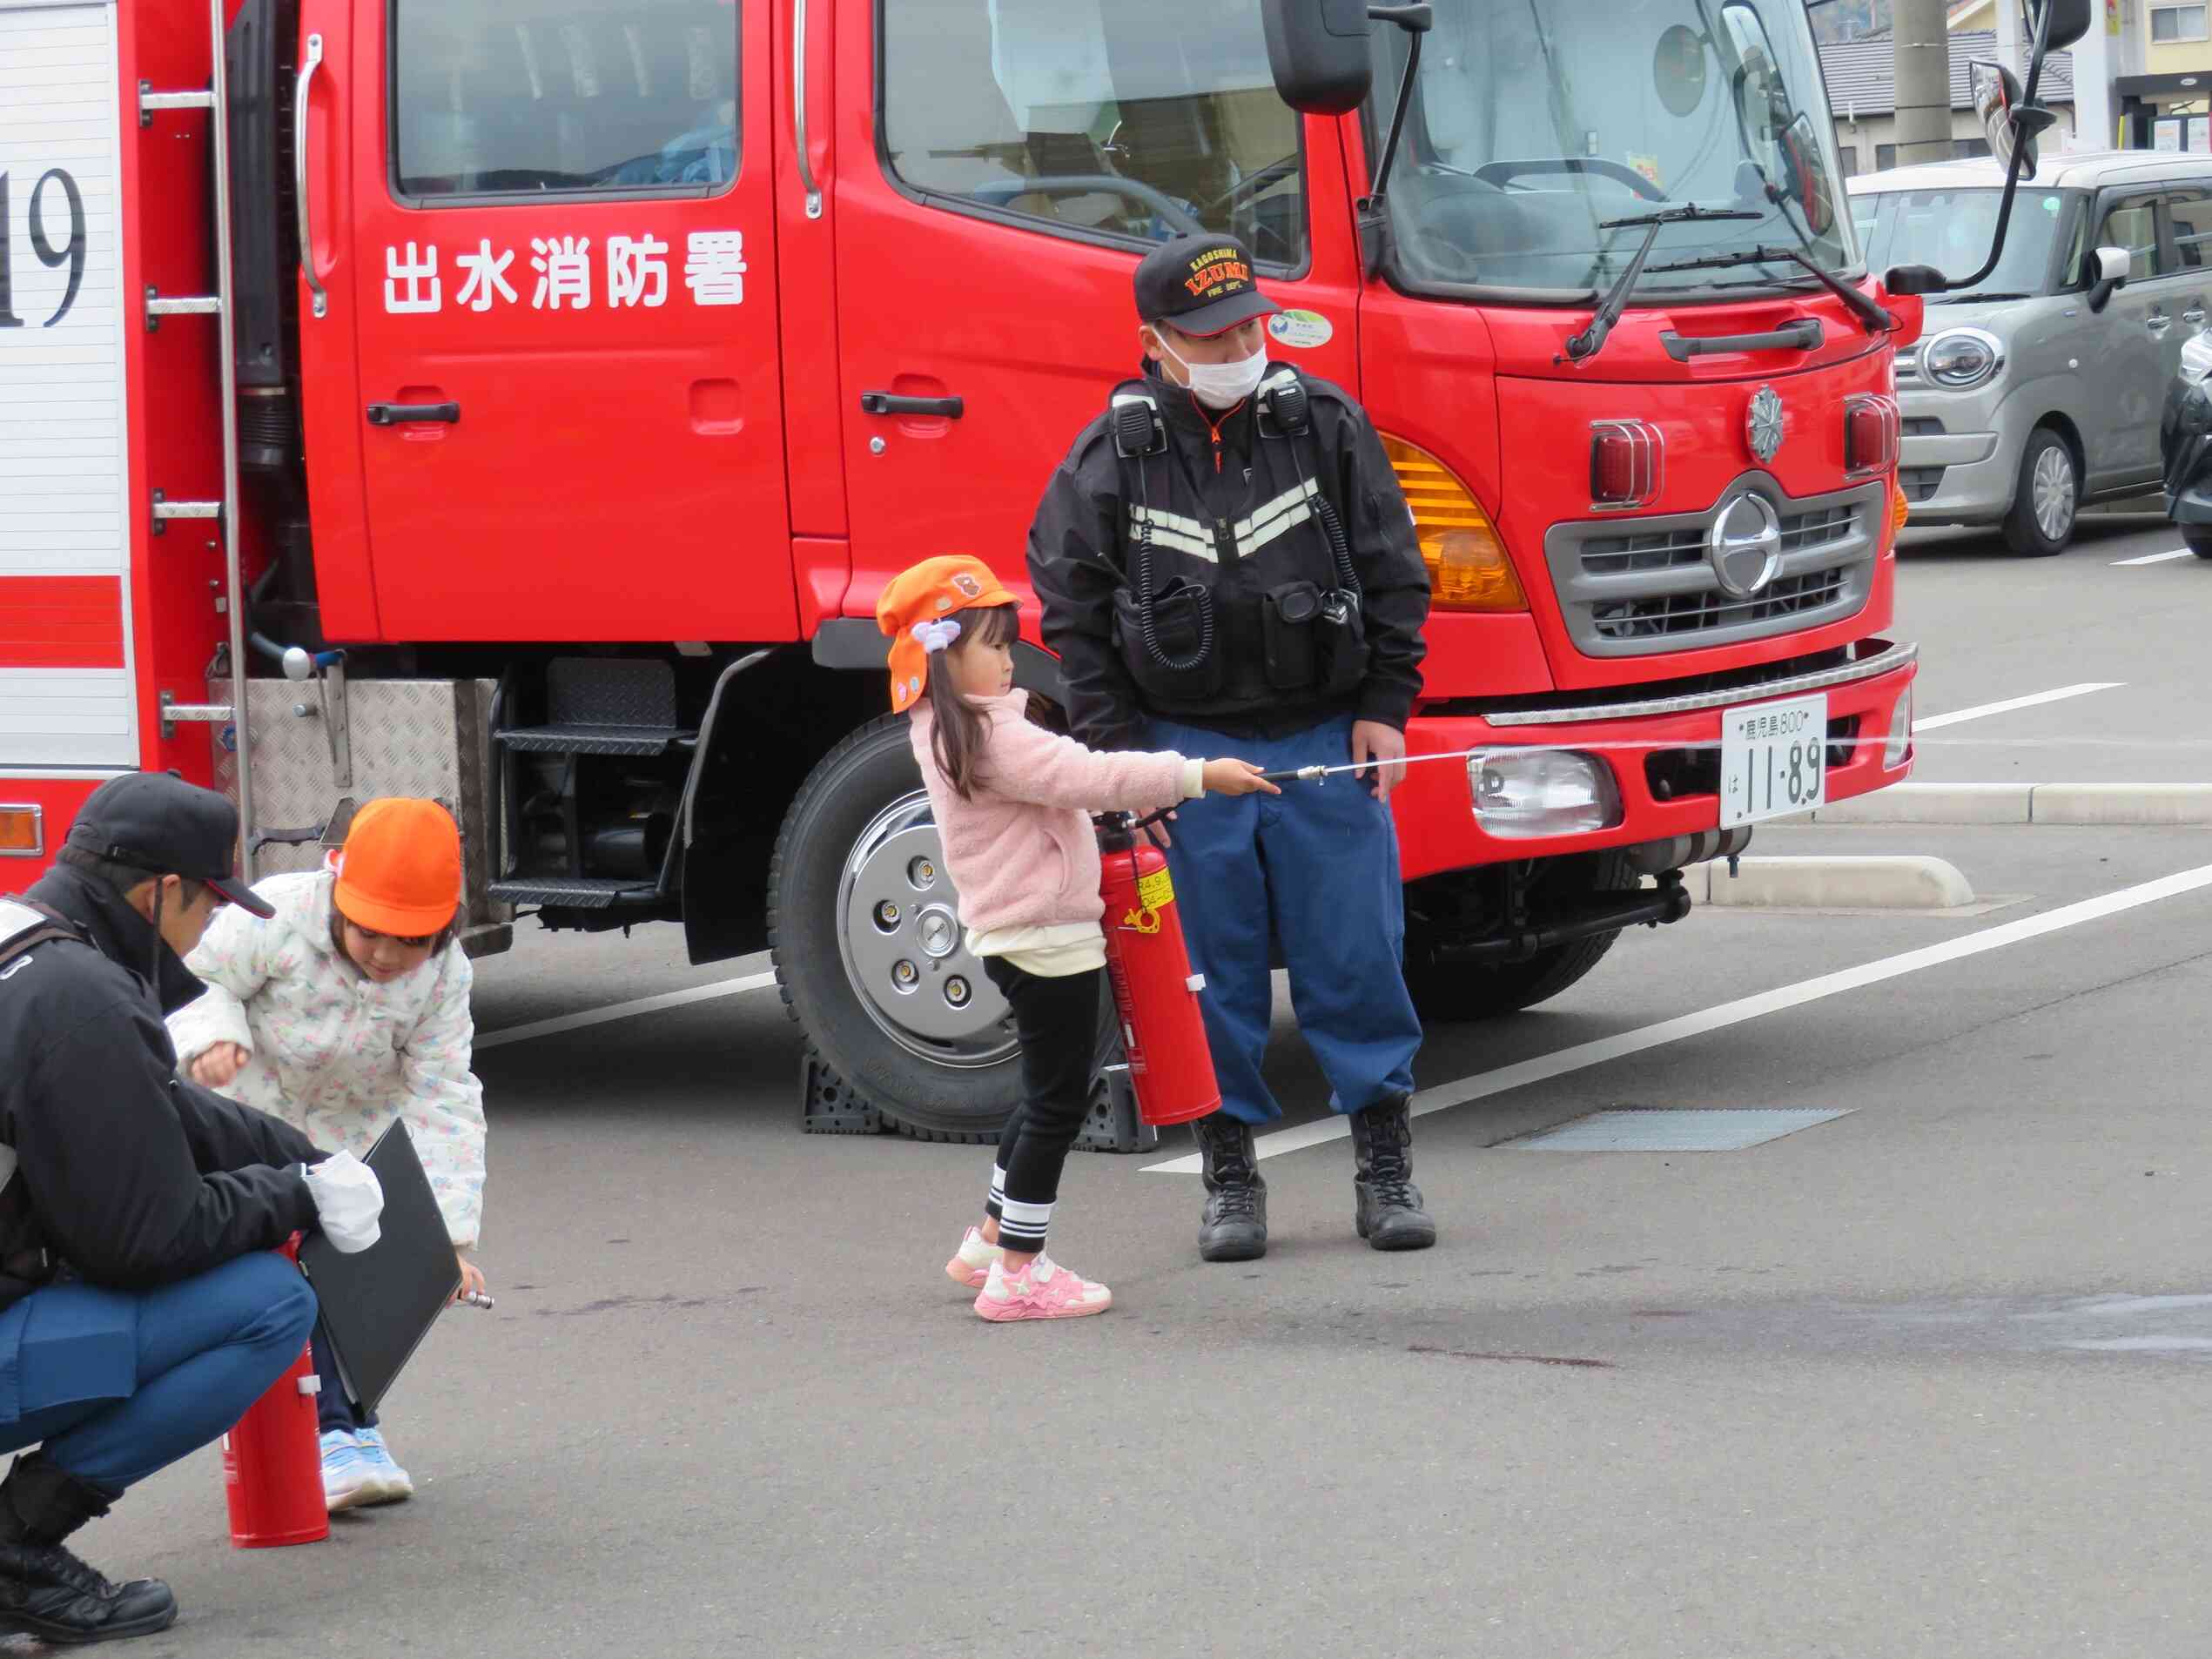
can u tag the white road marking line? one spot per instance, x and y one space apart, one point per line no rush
2154 558
623 1010
1957 715
1585 1055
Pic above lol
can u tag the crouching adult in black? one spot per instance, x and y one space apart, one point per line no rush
142 1308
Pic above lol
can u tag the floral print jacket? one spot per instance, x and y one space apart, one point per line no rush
335 1054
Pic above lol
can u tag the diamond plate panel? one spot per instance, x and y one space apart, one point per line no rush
1658 1129
611 691
420 737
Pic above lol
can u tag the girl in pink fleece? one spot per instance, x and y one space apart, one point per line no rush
1012 803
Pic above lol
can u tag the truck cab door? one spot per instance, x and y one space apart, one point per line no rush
544 230
991 205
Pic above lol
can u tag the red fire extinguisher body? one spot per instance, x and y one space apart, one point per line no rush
272 1464
1154 990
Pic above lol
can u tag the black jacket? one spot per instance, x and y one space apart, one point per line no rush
130 1176
1267 672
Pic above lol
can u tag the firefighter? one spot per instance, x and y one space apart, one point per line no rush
142 1309
1227 564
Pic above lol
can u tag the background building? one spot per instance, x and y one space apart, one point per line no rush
1862 86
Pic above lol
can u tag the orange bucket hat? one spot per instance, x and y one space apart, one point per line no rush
915 611
399 872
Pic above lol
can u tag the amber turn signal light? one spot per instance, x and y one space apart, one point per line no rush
1468 567
22 832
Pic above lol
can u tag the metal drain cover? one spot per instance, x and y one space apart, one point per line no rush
1666 1129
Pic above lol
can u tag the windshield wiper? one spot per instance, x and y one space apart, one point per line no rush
1876 320
1583 346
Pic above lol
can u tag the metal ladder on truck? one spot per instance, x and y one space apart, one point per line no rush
215 100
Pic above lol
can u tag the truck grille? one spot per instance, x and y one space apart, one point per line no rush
1629 589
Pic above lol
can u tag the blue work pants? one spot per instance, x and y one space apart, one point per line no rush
118 1385
1315 869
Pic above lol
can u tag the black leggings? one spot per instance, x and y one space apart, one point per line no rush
1057 1022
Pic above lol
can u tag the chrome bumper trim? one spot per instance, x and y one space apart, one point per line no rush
1888 661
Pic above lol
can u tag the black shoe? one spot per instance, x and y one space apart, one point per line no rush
47 1592
1389 1215
1235 1227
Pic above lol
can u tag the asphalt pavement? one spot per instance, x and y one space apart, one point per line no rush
1922 1377
1995 628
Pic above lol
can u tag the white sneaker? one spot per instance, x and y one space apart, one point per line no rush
349 1479
392 1483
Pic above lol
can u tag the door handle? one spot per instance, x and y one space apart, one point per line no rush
2158 324
392 415
2193 316
308 68
890 403
798 108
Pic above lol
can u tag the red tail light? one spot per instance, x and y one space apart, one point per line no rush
1624 463
1870 429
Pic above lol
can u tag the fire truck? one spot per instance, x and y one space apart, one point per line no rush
522 402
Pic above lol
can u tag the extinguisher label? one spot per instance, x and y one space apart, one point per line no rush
1155 891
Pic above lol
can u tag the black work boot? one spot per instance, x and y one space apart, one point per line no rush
45 1591
1389 1215
1235 1227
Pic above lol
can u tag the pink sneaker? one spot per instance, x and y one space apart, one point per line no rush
1044 1290
970 1267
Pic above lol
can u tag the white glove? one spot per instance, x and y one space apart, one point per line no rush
348 1201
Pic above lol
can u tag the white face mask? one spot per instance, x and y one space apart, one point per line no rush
1219 385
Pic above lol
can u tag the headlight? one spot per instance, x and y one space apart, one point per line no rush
1531 793
2197 359
1961 358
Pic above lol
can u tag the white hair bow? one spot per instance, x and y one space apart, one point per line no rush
938 636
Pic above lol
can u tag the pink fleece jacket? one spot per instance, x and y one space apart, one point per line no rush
1022 852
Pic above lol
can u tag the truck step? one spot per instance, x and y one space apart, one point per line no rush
581 737
571 892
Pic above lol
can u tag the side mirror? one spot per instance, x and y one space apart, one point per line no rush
2069 20
2113 267
1318 53
1914 279
2012 124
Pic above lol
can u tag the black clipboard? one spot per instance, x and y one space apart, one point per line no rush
379 1303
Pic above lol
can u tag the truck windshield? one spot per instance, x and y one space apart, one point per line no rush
1952 230
1535 122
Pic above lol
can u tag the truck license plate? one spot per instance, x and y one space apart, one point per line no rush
1773 760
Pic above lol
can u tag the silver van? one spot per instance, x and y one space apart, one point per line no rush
2039 389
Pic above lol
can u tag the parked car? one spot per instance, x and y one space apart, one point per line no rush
2185 443
2037 390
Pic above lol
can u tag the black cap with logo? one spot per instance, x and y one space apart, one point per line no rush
1199 285
158 823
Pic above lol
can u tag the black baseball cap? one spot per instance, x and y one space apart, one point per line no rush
158 823
1200 285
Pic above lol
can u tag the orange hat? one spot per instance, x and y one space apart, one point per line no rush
399 870
914 609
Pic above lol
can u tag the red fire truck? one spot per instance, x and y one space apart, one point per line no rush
523 402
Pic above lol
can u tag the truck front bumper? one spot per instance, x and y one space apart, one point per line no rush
1661 753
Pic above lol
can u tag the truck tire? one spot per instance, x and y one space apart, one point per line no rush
2199 538
1443 993
863 935
2046 497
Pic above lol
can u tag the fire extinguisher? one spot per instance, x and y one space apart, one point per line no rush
272 1466
1154 990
